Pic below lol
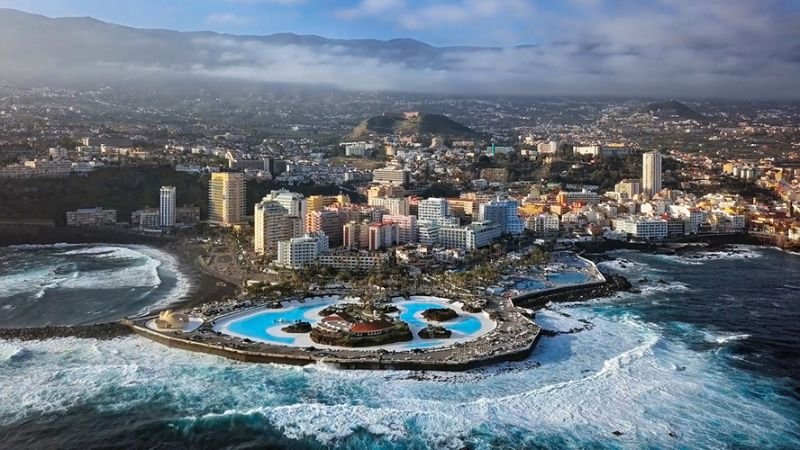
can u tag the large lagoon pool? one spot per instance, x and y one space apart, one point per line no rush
538 281
264 325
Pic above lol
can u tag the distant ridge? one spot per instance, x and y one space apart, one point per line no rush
674 108
400 123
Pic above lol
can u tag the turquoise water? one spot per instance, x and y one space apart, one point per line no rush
466 325
710 360
567 278
564 278
530 285
256 326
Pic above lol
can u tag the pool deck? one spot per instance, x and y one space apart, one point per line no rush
513 339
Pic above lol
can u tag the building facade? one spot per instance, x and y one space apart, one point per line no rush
226 199
167 209
92 217
651 173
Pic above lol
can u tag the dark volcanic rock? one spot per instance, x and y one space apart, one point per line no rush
439 314
434 332
299 327
99 331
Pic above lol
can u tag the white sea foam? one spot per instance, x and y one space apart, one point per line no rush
620 374
143 270
724 338
701 257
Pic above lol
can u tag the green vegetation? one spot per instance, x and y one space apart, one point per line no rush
608 171
393 123
298 328
434 332
399 332
439 314
440 190
125 189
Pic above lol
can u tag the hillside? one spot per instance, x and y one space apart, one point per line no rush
124 189
675 109
393 123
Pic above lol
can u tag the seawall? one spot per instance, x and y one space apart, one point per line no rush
367 361
539 299
103 331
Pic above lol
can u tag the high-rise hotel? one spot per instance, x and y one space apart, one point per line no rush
651 173
226 199
166 210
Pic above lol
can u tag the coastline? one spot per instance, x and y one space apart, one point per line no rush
203 287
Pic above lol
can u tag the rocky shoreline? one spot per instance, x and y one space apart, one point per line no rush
204 287
538 300
101 331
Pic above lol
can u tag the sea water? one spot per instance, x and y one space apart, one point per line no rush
66 284
707 358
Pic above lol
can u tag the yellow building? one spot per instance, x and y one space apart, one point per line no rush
320 202
532 209
226 199
728 168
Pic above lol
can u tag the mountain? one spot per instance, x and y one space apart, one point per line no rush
37 50
400 123
674 108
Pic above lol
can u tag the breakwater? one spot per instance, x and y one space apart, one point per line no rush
101 331
362 361
539 299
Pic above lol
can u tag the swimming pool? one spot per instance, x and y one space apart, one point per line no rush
530 285
569 277
411 313
264 325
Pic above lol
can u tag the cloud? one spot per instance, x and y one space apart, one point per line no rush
226 19
367 8
748 49
434 13
266 2
604 65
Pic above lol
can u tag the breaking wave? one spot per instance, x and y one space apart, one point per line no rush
94 279
619 375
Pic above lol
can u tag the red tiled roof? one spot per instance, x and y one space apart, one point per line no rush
366 327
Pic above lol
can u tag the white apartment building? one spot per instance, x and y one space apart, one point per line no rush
503 213
406 227
433 209
92 217
300 252
294 203
383 235
470 237
628 187
543 223
353 260
584 196
395 206
645 228
388 175
694 217
273 224
651 173
587 150
548 147
167 199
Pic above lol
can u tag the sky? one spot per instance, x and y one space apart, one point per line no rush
725 47
437 22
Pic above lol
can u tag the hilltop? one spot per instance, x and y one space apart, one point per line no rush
400 123
674 108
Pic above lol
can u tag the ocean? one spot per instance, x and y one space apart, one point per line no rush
706 355
79 284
